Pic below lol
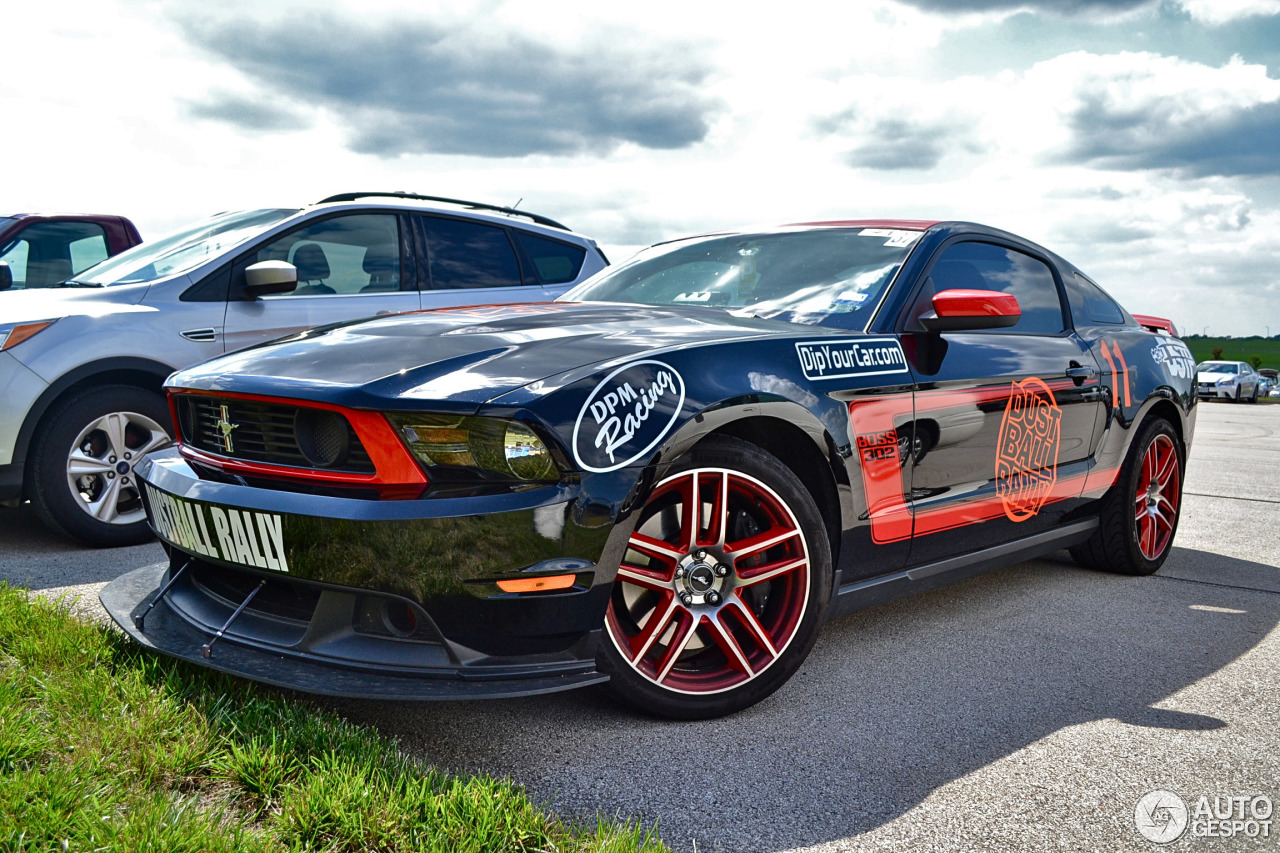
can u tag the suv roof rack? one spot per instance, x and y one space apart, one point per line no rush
475 205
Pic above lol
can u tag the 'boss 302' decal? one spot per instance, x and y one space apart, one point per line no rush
1030 435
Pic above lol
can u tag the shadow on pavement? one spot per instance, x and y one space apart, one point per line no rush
892 704
33 556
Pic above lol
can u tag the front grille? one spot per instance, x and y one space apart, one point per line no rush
271 433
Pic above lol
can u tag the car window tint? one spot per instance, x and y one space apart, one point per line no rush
1090 305
16 257
341 255
555 262
469 254
986 266
49 252
87 251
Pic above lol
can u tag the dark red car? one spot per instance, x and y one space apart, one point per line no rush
40 250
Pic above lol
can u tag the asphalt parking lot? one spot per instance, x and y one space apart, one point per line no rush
1029 709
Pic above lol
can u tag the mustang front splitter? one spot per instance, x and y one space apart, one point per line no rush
163 629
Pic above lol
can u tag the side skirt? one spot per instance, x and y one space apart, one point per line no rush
864 594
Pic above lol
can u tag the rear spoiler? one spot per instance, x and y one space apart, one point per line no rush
1156 324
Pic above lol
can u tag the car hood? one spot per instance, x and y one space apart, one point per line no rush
47 303
1216 377
466 357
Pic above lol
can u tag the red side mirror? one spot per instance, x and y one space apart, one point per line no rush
961 310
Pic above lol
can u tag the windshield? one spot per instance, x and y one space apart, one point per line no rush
832 276
1218 367
182 250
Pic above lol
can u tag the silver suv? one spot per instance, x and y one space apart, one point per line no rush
81 366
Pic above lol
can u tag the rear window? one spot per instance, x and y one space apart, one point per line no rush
465 255
555 262
1090 305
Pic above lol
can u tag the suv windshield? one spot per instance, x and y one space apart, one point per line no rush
182 250
833 276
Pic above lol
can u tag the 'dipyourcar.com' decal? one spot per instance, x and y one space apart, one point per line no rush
858 357
234 535
627 414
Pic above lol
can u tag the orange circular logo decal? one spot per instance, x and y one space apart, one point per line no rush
1027 449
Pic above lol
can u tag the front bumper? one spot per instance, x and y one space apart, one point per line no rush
20 388
1213 392
165 630
366 598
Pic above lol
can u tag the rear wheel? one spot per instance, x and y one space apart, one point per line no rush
83 482
1139 516
723 587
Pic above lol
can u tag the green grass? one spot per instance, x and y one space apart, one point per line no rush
1236 349
104 746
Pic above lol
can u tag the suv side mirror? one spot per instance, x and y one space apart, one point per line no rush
6 276
968 310
270 277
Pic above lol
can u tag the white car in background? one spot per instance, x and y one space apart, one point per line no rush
82 363
1227 380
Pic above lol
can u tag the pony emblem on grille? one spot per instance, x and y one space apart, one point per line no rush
225 426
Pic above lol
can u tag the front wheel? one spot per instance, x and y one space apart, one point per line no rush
1139 516
723 587
83 483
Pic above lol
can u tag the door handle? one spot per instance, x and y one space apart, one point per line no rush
1079 373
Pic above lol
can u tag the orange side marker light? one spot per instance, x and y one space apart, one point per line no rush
542 584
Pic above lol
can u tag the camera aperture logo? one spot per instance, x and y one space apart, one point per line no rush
1163 816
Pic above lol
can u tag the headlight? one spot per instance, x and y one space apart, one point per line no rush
11 336
505 448
1227 380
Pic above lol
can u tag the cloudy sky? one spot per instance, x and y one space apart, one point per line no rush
1138 138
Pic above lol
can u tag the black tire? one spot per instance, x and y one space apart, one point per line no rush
1139 515
1254 398
751 614
103 433
1236 399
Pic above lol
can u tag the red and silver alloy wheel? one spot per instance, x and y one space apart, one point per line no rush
714 585
1157 496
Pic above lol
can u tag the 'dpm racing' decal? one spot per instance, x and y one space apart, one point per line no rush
626 415
1027 449
238 536
840 359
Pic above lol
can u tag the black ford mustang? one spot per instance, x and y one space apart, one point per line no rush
669 479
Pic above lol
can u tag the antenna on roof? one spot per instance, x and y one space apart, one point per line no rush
517 204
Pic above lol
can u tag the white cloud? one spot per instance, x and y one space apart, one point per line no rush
1137 166
1225 11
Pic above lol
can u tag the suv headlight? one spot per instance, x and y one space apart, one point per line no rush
12 335
508 449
